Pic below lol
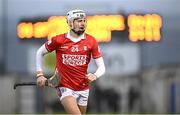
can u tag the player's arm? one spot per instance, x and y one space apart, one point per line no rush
100 70
96 54
100 67
39 62
49 46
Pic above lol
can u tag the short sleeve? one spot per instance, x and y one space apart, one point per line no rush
96 53
52 44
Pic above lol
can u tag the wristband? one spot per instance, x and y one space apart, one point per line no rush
39 75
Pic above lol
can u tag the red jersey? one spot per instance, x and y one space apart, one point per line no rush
72 59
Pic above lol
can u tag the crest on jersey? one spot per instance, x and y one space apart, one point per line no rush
85 48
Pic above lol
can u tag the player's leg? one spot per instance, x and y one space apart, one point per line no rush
82 109
70 105
82 100
68 100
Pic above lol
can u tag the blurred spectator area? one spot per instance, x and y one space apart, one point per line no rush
153 90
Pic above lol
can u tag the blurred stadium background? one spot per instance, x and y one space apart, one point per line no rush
141 77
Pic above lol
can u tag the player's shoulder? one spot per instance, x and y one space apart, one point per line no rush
59 37
90 37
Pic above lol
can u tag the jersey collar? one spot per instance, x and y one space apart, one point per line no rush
75 39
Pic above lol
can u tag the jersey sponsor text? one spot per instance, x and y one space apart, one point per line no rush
74 60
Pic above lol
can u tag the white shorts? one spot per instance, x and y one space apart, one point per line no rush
81 96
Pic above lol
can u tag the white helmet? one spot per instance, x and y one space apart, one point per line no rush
74 14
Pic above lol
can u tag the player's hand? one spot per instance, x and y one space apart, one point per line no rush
54 81
91 77
41 81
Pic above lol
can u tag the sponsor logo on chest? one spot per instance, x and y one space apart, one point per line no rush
74 60
64 47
